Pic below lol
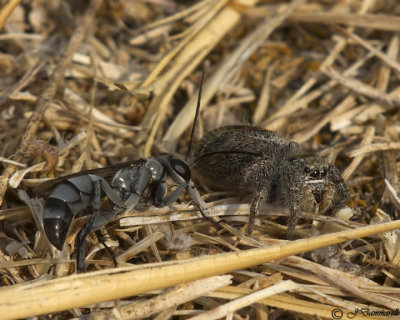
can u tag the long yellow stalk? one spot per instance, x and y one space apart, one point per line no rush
74 291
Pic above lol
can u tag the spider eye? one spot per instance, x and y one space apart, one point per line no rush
315 174
181 168
307 169
323 172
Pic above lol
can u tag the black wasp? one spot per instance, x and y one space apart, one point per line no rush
77 192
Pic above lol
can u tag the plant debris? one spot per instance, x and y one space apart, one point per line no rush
87 84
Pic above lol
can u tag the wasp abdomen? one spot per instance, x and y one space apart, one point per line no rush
65 201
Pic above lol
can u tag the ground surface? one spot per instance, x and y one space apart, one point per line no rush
85 84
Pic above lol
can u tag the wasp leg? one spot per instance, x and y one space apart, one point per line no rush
80 245
161 200
97 220
100 236
200 204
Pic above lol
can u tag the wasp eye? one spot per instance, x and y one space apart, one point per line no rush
181 168
307 169
315 174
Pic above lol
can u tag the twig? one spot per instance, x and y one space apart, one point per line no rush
237 304
368 138
180 294
361 88
262 105
374 147
370 21
6 11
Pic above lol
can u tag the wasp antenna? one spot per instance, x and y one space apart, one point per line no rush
195 117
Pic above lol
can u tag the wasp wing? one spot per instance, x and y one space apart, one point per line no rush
106 172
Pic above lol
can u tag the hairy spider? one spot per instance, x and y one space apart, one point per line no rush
259 162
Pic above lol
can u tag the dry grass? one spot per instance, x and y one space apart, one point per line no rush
84 84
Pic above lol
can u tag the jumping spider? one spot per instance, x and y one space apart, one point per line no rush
259 162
